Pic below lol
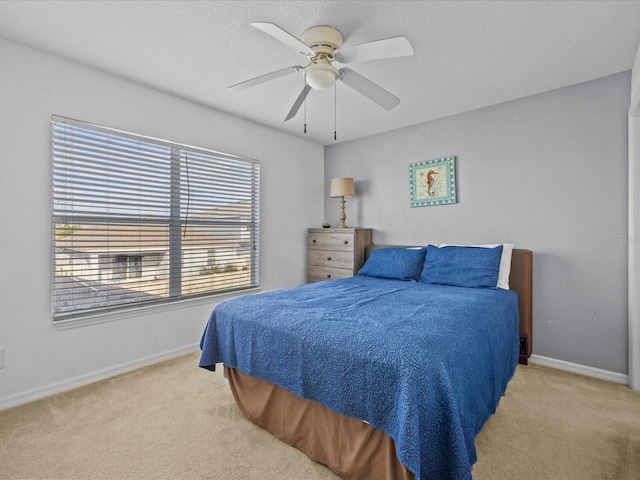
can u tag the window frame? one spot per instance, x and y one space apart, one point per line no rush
175 222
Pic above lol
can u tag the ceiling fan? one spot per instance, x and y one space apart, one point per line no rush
322 47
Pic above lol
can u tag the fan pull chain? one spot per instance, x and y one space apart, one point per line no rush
335 109
304 77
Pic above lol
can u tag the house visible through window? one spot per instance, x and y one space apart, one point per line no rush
128 266
138 220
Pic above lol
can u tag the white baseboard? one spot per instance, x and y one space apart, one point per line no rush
53 388
582 369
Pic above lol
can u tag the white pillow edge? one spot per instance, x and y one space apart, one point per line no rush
505 260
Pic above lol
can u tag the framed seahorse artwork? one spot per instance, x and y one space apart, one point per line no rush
433 182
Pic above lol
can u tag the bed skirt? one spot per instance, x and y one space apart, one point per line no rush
350 447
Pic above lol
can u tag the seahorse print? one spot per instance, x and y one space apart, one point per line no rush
430 182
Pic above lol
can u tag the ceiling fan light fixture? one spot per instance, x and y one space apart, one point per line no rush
321 45
321 75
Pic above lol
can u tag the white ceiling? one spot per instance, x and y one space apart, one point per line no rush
467 54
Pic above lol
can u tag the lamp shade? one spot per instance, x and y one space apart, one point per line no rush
342 187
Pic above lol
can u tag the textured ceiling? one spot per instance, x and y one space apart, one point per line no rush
467 54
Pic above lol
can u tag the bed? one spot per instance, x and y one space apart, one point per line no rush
378 378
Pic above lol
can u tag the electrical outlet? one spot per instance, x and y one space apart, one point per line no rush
1 357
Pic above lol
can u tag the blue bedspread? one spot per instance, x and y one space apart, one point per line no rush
426 364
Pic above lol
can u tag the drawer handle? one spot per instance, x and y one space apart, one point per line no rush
313 241
328 275
346 242
329 258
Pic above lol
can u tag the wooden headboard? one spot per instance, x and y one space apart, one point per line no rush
521 282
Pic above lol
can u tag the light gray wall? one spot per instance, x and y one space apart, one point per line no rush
547 173
40 358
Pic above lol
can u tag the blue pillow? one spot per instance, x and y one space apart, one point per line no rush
462 266
395 263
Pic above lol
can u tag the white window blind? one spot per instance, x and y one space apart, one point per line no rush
137 221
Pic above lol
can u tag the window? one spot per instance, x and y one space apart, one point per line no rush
128 266
137 221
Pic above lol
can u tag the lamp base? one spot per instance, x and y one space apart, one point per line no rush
343 215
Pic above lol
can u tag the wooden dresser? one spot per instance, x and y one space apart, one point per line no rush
335 252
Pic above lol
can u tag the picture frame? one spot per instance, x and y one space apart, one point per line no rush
433 182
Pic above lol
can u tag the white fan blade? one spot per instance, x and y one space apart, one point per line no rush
296 105
388 48
285 37
369 89
264 78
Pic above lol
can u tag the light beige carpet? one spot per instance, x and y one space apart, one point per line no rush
175 421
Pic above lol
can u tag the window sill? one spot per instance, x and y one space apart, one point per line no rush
146 310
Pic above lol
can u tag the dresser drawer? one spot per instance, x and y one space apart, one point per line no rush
331 258
318 273
331 241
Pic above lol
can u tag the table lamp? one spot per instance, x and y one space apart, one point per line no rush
342 187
